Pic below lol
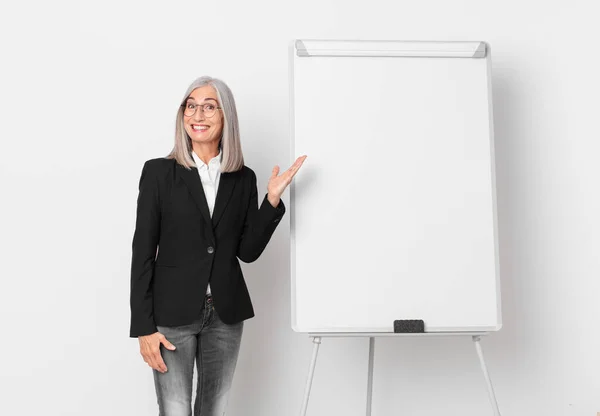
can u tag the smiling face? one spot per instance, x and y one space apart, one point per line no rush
202 129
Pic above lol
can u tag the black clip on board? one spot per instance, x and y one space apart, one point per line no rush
409 326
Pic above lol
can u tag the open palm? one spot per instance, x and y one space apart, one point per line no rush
278 183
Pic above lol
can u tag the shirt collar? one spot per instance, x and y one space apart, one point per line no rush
215 161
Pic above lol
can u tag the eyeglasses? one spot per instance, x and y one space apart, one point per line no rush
189 109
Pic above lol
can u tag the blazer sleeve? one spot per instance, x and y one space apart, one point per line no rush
144 249
259 224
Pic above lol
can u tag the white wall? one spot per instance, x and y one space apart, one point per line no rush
69 173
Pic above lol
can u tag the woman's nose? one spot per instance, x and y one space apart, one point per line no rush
199 114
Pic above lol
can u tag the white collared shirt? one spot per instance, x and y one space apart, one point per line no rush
209 176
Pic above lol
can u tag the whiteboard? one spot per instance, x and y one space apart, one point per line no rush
393 215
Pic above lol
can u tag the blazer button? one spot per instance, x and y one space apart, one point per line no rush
210 250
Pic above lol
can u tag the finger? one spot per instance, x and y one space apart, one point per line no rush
294 168
299 162
157 362
275 171
147 356
167 344
154 357
153 364
160 364
146 352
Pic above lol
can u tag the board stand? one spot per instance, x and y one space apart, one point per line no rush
476 337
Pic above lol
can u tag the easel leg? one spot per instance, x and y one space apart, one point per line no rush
370 376
488 381
311 372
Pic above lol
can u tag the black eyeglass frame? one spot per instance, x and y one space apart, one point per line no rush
184 105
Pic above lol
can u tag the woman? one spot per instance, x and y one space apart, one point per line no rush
197 214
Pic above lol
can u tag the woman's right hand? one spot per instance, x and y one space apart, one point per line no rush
150 350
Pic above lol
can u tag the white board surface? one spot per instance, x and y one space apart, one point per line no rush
393 215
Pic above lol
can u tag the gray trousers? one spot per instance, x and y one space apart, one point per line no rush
214 346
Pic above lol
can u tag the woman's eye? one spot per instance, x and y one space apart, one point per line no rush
190 106
209 106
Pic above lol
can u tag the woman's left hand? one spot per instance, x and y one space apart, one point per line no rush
277 184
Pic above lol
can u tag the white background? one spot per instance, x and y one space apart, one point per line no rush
106 78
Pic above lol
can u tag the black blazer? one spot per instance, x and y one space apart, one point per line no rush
178 248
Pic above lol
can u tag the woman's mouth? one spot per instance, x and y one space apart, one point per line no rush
200 128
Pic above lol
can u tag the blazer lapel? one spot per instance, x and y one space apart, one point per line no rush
226 184
194 184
